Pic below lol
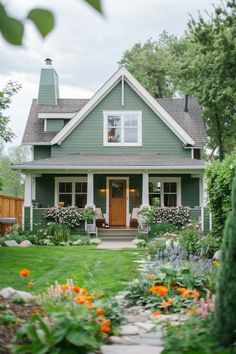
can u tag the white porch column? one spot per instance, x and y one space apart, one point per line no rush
145 191
90 190
201 200
28 190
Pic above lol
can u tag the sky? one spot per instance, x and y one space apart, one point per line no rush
84 46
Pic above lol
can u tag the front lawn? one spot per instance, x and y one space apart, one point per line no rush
94 269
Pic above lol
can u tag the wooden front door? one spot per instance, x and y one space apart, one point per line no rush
117 202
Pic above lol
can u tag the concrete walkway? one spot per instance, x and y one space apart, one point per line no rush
111 245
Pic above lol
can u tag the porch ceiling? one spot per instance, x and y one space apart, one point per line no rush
103 162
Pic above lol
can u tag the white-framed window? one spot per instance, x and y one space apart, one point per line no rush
71 191
122 128
165 191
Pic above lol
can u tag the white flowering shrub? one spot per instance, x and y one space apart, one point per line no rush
70 216
178 216
94 241
139 242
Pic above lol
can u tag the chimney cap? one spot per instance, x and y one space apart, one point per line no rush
48 61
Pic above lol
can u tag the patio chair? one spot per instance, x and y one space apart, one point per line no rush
99 217
134 218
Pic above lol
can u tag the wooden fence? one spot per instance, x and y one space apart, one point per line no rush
11 207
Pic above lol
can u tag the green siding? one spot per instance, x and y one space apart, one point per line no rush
48 87
45 190
100 197
190 191
42 152
54 125
87 137
135 198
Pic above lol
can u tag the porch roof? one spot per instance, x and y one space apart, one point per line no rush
113 162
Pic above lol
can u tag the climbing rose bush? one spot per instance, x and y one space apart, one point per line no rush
71 216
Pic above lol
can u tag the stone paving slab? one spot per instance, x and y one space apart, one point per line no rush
107 245
130 349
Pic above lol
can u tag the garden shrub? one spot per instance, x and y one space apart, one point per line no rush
139 242
71 216
58 233
73 321
192 336
189 239
178 217
225 314
157 229
220 176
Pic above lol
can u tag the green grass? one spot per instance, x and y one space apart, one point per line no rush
105 270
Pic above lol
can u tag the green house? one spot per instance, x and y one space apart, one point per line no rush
119 150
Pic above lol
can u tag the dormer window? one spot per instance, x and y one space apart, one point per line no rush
123 128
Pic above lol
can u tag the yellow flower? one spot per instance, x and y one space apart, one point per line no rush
216 263
151 276
156 313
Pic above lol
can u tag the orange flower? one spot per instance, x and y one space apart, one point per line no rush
100 312
186 293
89 297
195 294
181 290
83 291
80 299
107 323
76 289
151 276
191 311
24 272
156 313
100 319
90 305
165 304
105 328
30 284
64 287
162 290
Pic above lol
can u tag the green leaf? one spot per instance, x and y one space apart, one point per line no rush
43 20
12 29
96 4
77 338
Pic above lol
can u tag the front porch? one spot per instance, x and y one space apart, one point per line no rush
115 195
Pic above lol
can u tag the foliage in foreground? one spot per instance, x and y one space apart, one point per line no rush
194 336
72 321
219 186
225 315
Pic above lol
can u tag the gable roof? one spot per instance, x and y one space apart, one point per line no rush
34 130
190 121
123 74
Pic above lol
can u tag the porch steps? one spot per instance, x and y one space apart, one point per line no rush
117 235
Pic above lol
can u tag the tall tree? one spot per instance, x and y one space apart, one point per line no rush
150 64
5 99
206 68
12 180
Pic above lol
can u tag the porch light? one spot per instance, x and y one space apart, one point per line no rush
132 190
102 189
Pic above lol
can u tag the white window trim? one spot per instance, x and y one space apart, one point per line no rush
177 180
122 113
65 180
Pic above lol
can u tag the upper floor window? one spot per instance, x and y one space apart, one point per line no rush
123 128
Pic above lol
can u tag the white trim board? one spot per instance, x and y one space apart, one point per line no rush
56 115
108 179
140 90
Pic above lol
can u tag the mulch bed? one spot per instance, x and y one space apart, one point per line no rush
22 312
